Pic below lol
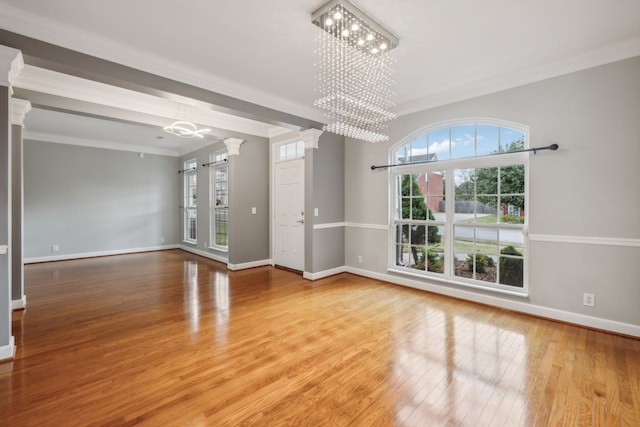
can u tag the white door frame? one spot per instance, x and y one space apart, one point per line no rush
310 138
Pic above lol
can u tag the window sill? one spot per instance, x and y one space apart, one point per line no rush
522 294
191 242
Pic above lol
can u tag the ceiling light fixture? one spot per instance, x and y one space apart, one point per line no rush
185 129
355 74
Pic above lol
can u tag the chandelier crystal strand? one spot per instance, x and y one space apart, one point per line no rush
355 69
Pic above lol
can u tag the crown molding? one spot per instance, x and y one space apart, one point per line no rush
496 79
63 85
30 25
310 138
233 146
93 143
11 64
453 89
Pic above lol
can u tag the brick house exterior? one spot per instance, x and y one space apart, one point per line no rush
432 187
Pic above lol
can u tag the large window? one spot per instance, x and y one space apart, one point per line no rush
219 202
190 201
459 214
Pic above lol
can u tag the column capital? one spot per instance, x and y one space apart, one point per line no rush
310 137
19 109
11 63
233 146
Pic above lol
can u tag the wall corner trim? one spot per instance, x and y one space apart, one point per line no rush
8 352
11 64
19 109
204 254
252 264
310 138
325 273
65 257
233 146
19 304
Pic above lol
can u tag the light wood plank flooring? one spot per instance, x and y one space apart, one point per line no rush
173 339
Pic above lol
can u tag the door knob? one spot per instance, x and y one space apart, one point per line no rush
300 221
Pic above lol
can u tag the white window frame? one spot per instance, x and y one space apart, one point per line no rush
449 166
289 150
190 205
221 159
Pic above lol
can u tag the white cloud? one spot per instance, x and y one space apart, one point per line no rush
440 147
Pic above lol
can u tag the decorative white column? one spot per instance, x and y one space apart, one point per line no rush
19 109
310 138
11 63
233 146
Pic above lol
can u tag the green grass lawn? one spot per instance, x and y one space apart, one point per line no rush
486 219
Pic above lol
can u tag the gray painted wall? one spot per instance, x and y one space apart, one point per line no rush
5 217
248 187
588 188
17 280
89 200
327 195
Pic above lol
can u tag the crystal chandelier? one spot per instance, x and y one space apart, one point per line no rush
355 70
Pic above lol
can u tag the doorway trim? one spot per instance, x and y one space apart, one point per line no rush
310 138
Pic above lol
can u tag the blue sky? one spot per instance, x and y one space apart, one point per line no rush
463 141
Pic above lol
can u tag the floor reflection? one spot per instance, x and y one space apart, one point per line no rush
191 296
451 368
220 284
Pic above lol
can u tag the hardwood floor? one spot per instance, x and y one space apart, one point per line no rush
173 339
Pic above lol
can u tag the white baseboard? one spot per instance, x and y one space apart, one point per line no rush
251 264
19 304
97 254
224 260
536 310
325 273
204 254
8 351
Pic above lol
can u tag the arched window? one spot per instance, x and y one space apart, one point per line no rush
459 203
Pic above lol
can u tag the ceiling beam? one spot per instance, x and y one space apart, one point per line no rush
56 58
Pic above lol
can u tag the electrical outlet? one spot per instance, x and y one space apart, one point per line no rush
55 248
359 259
253 211
589 300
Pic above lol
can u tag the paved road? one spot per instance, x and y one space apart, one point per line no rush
488 233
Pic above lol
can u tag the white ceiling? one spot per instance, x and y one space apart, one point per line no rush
262 50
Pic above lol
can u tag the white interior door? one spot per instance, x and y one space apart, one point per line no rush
289 214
